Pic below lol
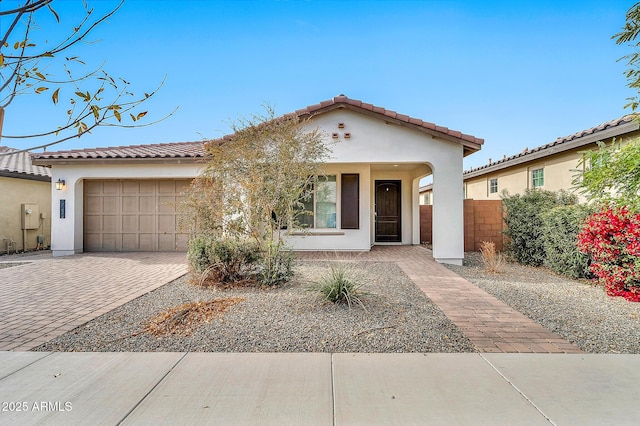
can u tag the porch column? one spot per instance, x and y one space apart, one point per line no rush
448 217
66 232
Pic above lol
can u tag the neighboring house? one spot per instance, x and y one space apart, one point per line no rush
25 202
552 166
122 198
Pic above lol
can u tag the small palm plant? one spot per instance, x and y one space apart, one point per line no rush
341 285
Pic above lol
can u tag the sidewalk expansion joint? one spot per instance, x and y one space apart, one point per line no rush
518 390
25 366
152 389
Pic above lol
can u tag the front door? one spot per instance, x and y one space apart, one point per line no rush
387 211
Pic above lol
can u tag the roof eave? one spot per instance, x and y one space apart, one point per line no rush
25 176
111 161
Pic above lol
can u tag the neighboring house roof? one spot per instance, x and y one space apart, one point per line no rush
15 163
194 150
606 130
609 129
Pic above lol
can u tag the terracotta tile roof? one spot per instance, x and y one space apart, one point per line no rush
558 144
152 151
19 163
342 101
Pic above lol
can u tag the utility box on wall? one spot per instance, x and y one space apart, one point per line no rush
30 216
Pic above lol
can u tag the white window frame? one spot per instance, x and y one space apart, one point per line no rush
534 178
314 197
491 186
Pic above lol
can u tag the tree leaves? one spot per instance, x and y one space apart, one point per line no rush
85 96
628 35
54 96
138 117
611 174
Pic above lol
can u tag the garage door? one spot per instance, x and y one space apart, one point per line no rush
133 215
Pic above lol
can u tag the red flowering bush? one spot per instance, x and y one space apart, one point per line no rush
612 239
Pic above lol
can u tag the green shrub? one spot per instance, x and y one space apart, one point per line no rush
198 254
223 259
275 265
341 285
560 228
524 223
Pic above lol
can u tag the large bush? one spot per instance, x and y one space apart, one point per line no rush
524 222
223 259
612 238
560 228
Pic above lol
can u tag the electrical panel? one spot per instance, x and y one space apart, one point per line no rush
30 216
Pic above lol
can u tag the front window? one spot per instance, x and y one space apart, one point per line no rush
537 178
320 204
493 186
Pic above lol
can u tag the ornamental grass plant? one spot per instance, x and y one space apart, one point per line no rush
492 260
342 285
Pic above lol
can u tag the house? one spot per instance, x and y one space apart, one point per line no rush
123 198
25 202
551 167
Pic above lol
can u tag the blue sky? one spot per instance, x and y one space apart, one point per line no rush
518 74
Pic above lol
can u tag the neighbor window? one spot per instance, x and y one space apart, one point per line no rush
493 186
320 204
537 178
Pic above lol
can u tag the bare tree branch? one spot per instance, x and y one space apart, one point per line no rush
98 99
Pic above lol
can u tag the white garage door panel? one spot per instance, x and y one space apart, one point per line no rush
133 215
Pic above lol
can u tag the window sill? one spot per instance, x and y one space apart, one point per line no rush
316 232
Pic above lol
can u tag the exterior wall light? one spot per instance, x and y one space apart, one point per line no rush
60 184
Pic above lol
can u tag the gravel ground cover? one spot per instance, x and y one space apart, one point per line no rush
398 318
577 310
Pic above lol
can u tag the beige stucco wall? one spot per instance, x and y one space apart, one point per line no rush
13 193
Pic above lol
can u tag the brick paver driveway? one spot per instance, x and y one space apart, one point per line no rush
48 297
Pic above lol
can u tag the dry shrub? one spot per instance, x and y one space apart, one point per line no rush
492 260
183 320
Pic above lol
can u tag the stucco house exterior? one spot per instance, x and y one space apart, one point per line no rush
551 167
25 202
124 198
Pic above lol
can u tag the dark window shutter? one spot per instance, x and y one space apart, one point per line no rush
350 201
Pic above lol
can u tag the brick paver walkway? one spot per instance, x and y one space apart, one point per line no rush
490 324
48 297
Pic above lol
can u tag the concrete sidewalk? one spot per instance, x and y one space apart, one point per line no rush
318 389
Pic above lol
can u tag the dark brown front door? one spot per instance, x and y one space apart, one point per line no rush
387 211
